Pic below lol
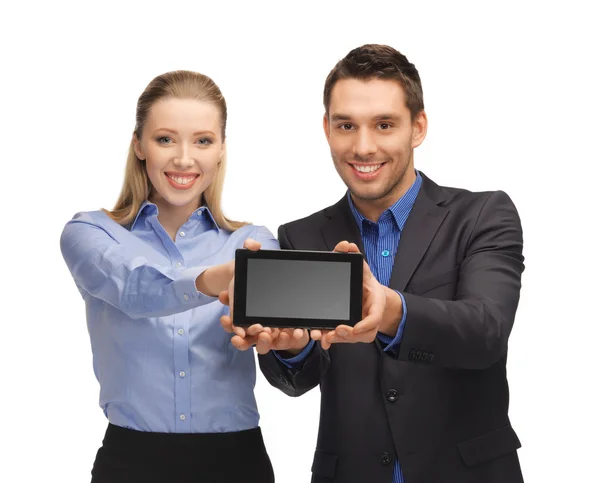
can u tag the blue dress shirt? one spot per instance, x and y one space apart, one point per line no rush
163 361
380 241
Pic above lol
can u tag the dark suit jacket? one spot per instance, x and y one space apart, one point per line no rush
441 404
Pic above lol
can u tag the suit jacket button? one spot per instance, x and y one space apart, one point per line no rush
392 395
385 458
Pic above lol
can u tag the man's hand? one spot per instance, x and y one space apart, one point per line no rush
374 302
264 338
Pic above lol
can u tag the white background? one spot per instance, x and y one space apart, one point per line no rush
511 92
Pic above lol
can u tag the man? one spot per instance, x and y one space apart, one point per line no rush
427 400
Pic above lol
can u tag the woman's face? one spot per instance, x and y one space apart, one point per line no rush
181 143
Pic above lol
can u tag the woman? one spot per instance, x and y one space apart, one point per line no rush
178 397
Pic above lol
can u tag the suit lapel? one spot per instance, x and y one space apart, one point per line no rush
340 226
421 226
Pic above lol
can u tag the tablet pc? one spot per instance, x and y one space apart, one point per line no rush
294 288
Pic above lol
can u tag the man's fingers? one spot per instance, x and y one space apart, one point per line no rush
353 247
254 329
283 339
241 343
345 247
342 246
263 343
298 333
318 334
343 330
370 322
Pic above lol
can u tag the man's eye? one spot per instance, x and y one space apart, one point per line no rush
384 126
346 127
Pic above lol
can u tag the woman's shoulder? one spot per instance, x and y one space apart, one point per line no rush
98 218
84 222
94 217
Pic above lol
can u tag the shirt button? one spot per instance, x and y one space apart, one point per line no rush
182 374
178 264
182 417
186 296
180 331
385 253
182 233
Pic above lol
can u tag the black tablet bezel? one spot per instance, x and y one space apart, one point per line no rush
242 256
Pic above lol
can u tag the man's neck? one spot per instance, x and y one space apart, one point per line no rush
373 209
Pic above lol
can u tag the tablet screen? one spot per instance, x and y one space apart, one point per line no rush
295 288
298 289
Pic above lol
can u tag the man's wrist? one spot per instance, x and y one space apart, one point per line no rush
392 314
293 351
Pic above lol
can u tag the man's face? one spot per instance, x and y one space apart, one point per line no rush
372 137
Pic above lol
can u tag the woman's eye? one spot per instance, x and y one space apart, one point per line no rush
163 140
204 141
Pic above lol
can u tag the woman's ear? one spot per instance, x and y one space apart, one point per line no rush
137 147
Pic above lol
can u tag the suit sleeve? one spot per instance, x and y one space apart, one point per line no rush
471 332
303 377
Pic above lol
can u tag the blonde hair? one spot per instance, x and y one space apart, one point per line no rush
136 185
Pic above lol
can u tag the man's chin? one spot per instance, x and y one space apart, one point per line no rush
367 195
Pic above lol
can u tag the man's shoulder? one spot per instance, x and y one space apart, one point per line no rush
302 232
455 197
311 221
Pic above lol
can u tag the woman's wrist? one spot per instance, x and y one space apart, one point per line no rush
215 280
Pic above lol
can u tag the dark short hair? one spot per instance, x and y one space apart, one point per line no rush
373 61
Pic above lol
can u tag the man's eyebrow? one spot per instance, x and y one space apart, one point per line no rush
386 117
380 117
340 117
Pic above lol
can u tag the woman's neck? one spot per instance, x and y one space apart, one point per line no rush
173 217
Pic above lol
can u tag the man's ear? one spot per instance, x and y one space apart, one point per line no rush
419 129
326 126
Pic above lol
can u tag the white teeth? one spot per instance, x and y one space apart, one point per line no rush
180 180
367 169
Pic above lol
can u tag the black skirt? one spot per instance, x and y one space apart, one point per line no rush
129 456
